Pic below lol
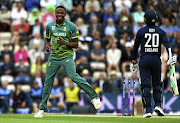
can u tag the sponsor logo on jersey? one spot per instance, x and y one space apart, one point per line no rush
53 27
59 34
151 50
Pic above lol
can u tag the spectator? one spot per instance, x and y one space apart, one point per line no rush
4 97
85 74
126 55
121 4
19 98
78 12
169 14
110 28
21 53
158 6
90 3
18 13
81 26
78 2
5 19
36 94
107 4
6 3
109 14
35 14
38 77
93 13
80 52
36 28
72 95
46 3
49 16
100 82
7 68
32 4
110 39
22 71
113 56
35 53
96 37
7 51
177 39
113 85
95 87
125 38
138 14
56 94
95 26
176 28
97 57
23 28
137 26
125 27
37 41
174 5
136 3
166 27
68 4
83 64
124 13
38 65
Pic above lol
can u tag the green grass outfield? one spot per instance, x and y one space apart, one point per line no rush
58 118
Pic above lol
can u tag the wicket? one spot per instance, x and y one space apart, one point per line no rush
129 93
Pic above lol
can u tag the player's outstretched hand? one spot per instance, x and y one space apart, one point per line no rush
172 60
134 68
60 41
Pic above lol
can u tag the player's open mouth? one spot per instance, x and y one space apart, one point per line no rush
60 17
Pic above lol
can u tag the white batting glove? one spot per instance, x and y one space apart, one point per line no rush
134 68
172 60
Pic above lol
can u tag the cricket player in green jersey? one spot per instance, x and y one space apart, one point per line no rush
64 36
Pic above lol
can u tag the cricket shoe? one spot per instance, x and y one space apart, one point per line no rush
96 102
159 111
147 115
41 113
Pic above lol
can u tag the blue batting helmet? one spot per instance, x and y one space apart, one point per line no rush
150 17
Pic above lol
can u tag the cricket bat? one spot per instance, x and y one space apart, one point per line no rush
173 80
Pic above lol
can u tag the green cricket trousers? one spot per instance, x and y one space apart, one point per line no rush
52 69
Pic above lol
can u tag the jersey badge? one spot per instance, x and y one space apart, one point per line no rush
53 27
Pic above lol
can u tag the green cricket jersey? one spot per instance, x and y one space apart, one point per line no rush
67 31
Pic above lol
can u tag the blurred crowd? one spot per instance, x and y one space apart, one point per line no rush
107 32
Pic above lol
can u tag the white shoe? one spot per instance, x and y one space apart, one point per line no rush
147 115
96 102
159 111
39 114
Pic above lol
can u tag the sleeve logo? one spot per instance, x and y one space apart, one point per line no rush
77 31
53 27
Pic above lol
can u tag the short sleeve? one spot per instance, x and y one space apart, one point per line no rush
74 31
48 32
